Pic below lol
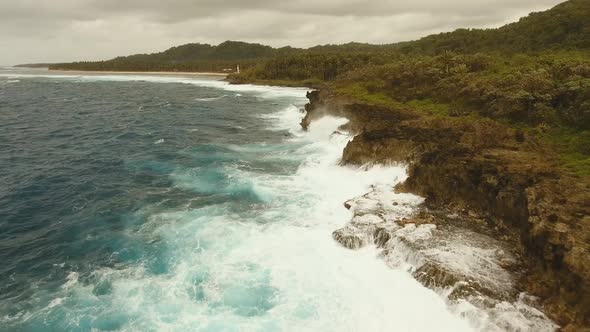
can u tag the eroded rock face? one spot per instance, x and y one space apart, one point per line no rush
460 257
524 195
492 172
351 237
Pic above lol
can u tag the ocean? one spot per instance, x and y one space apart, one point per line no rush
171 203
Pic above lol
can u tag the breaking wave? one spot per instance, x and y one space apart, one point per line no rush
216 230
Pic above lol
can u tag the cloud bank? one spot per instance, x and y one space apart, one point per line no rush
67 30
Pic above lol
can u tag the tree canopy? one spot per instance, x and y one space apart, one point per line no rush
533 73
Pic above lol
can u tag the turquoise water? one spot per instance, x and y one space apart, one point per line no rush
161 203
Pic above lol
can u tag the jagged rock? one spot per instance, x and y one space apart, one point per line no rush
492 171
350 238
421 218
434 275
366 220
381 236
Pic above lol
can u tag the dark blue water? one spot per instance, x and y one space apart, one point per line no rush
158 203
80 159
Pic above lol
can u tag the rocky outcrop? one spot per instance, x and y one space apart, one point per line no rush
458 256
486 169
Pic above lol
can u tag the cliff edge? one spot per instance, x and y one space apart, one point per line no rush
480 167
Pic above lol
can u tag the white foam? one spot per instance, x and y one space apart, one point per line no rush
258 90
286 119
210 98
13 75
278 270
72 280
275 268
55 302
504 316
413 233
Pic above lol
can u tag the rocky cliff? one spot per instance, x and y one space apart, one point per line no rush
491 172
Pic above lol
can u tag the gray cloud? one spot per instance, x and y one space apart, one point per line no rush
64 30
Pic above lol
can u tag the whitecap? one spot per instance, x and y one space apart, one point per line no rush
210 98
276 267
72 280
269 92
55 302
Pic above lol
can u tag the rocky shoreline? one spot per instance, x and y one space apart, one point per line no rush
482 181
474 268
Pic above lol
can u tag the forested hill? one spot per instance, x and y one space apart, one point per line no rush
189 57
533 73
34 65
566 26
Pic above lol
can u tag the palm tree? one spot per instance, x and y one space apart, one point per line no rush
448 59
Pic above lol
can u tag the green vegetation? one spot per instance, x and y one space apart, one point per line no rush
574 148
185 58
565 27
548 93
533 74
34 65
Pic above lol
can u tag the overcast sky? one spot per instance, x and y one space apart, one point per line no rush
66 30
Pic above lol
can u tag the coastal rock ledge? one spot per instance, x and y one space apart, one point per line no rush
504 185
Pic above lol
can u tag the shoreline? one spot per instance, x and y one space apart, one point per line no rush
517 207
167 73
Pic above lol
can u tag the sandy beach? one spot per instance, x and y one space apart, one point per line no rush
176 73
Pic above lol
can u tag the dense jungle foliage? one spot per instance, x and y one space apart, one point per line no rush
184 58
534 73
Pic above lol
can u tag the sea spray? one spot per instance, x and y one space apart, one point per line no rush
217 228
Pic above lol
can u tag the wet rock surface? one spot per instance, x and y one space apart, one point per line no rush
495 184
456 255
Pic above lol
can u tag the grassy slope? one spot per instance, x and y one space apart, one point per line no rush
371 86
572 146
